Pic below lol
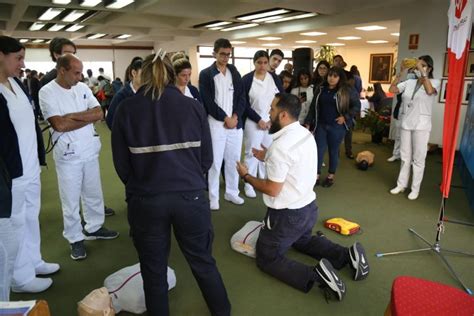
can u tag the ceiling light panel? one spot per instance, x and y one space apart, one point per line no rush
50 14
294 17
37 41
349 38
237 42
269 38
118 4
306 42
62 2
96 36
24 40
218 24
89 3
74 15
262 14
313 33
335 44
56 27
36 26
371 28
377 42
239 27
123 36
74 28
271 44
395 34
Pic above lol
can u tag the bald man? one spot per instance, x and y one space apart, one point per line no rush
72 110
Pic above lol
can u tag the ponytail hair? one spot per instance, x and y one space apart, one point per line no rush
157 73
180 62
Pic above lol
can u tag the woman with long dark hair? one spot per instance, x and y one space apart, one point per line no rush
418 98
161 146
304 91
320 74
260 87
331 112
22 151
377 97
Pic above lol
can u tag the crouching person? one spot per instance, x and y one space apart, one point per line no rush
291 168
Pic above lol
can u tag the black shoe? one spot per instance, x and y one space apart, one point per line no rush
360 265
328 182
101 233
350 155
78 250
330 279
108 211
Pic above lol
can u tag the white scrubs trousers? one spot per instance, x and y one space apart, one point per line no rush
227 147
26 204
254 138
79 181
413 148
396 137
8 253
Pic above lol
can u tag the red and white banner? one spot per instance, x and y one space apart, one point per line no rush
459 35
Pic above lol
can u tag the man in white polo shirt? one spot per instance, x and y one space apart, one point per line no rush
71 109
291 168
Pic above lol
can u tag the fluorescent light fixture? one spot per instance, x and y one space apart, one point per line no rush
371 28
268 18
37 41
74 28
313 33
118 4
335 44
74 15
262 14
269 38
237 42
123 36
216 28
349 38
96 36
36 26
377 42
218 24
306 42
294 17
89 3
395 34
50 14
271 44
64 2
24 40
56 27
239 27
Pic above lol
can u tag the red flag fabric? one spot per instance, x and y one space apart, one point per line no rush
460 21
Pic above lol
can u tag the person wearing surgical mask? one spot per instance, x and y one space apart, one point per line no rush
417 103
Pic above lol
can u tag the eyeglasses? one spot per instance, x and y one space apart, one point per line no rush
228 55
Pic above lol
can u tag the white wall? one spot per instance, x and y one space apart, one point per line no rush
120 58
429 19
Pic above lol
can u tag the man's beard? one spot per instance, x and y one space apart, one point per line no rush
275 127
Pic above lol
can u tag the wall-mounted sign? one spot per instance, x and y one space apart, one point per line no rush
413 41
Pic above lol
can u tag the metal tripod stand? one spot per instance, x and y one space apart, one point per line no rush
436 247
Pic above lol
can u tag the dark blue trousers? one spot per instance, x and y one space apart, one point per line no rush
292 228
151 219
329 136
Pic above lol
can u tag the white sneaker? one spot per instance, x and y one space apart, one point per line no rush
214 205
397 190
234 199
34 286
413 195
47 268
250 192
393 158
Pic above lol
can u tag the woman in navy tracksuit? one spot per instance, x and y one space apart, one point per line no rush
331 111
128 90
182 69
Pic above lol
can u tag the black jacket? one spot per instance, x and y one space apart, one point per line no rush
208 93
10 149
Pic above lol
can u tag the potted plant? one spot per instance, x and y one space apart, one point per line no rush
377 123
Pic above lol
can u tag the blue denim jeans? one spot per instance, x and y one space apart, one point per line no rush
151 219
292 228
329 136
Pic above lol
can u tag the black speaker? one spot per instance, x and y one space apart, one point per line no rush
303 58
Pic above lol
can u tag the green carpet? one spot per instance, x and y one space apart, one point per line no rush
359 196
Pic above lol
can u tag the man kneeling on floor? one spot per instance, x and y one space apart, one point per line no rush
291 167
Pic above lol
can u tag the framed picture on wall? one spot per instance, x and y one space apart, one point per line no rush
446 65
470 65
381 68
467 91
442 92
